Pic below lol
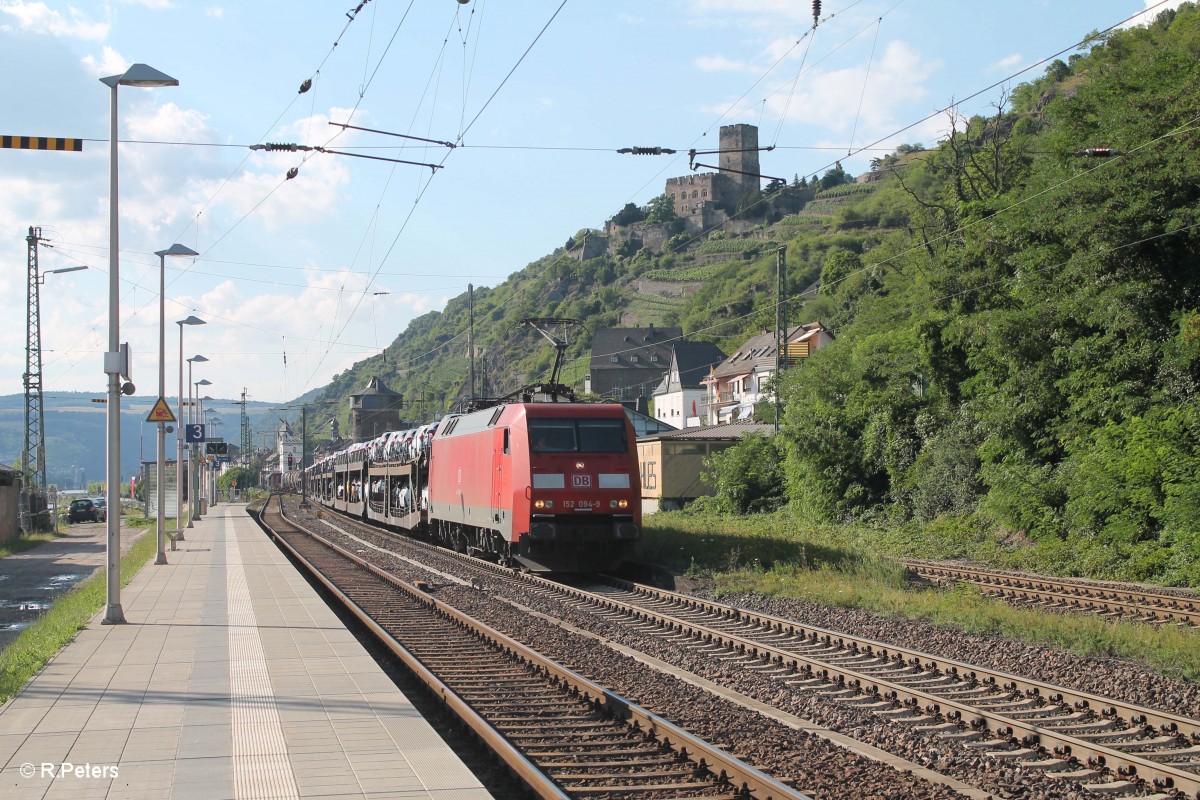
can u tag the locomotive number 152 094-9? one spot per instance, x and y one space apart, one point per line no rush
581 503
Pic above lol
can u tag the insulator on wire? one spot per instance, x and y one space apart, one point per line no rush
304 87
816 11
646 151
293 172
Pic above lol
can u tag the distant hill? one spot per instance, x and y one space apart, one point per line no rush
76 433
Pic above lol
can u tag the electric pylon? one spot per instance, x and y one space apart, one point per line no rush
33 455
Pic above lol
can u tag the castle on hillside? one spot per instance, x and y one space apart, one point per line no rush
703 198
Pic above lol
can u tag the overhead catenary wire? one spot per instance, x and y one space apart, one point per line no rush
378 273
859 150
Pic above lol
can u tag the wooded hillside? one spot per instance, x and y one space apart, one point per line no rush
1018 333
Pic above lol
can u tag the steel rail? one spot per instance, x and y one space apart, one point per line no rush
744 779
537 781
1074 595
1128 766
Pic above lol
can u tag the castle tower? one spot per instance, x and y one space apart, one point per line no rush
739 151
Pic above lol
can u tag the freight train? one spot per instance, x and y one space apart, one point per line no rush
550 487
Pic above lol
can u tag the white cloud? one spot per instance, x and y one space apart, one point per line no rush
214 11
1152 10
721 64
39 18
110 62
1006 64
829 100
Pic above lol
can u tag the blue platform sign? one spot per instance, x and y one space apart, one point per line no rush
193 433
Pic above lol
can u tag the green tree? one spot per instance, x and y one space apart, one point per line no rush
244 477
661 209
629 215
748 477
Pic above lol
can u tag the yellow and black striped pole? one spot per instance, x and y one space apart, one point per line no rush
41 143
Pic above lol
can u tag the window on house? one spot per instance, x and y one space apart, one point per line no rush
654 358
704 193
695 194
633 359
614 359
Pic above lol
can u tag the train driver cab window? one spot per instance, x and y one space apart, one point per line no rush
602 436
577 435
552 435
506 440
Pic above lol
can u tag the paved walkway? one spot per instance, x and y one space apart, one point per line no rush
230 679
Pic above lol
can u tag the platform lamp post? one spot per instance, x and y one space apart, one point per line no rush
215 421
196 359
191 320
201 452
161 495
194 453
114 365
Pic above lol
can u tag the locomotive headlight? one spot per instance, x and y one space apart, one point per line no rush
579 465
539 503
549 504
622 504
612 503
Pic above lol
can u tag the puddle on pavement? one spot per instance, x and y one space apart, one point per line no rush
26 605
57 582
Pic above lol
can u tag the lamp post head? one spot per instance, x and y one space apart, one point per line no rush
197 358
192 320
140 75
204 381
176 250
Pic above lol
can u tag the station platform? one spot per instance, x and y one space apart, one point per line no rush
231 678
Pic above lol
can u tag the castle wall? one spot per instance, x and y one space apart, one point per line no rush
700 198
690 191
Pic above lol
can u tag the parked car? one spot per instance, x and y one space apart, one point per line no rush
83 510
101 509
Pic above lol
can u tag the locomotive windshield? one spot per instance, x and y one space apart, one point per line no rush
577 436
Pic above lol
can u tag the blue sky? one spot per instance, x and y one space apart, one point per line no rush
298 279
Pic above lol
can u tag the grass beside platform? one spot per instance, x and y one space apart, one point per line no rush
855 567
68 615
23 543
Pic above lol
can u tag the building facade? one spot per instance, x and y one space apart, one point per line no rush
678 399
629 363
672 464
742 380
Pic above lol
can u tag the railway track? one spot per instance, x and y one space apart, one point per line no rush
563 735
1105 745
1112 601
1086 741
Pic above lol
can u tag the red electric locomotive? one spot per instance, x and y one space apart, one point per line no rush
552 486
